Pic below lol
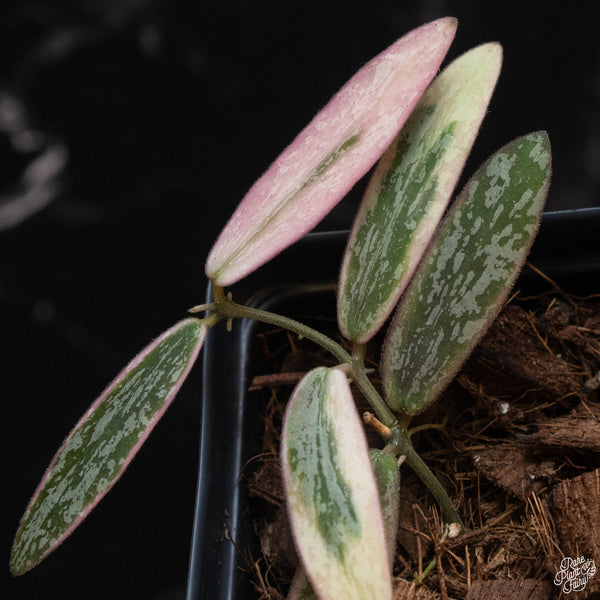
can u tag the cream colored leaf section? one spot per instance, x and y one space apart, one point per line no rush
331 493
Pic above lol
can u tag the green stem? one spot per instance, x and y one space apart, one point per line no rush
426 427
399 444
419 580
225 308
228 309
211 320
359 351
430 480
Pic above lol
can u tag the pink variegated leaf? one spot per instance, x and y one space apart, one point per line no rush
331 154
103 443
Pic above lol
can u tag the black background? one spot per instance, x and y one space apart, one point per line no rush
167 111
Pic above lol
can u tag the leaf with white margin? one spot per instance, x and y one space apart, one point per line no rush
466 274
331 493
387 476
331 154
410 189
104 442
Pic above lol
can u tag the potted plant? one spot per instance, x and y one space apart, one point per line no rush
448 278
302 281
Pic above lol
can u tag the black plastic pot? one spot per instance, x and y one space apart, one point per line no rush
302 279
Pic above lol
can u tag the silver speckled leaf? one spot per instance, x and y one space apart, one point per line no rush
466 274
387 476
331 493
103 443
410 190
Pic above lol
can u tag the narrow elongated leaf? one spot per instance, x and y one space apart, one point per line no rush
331 492
331 154
387 477
467 273
104 442
410 190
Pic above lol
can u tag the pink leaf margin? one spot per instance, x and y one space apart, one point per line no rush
371 107
94 406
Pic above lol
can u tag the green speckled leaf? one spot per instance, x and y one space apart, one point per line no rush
387 477
467 273
410 190
331 493
103 443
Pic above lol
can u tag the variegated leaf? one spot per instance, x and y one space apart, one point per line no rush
410 190
467 273
104 442
387 477
331 493
330 155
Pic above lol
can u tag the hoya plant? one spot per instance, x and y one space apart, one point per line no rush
434 273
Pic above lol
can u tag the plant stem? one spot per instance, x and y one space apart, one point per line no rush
425 427
419 580
399 444
228 309
211 320
225 308
432 483
359 351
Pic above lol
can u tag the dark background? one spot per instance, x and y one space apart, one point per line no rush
129 130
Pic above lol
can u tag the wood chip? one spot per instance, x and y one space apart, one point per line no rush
513 357
508 589
579 429
575 507
404 590
411 526
275 380
513 469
